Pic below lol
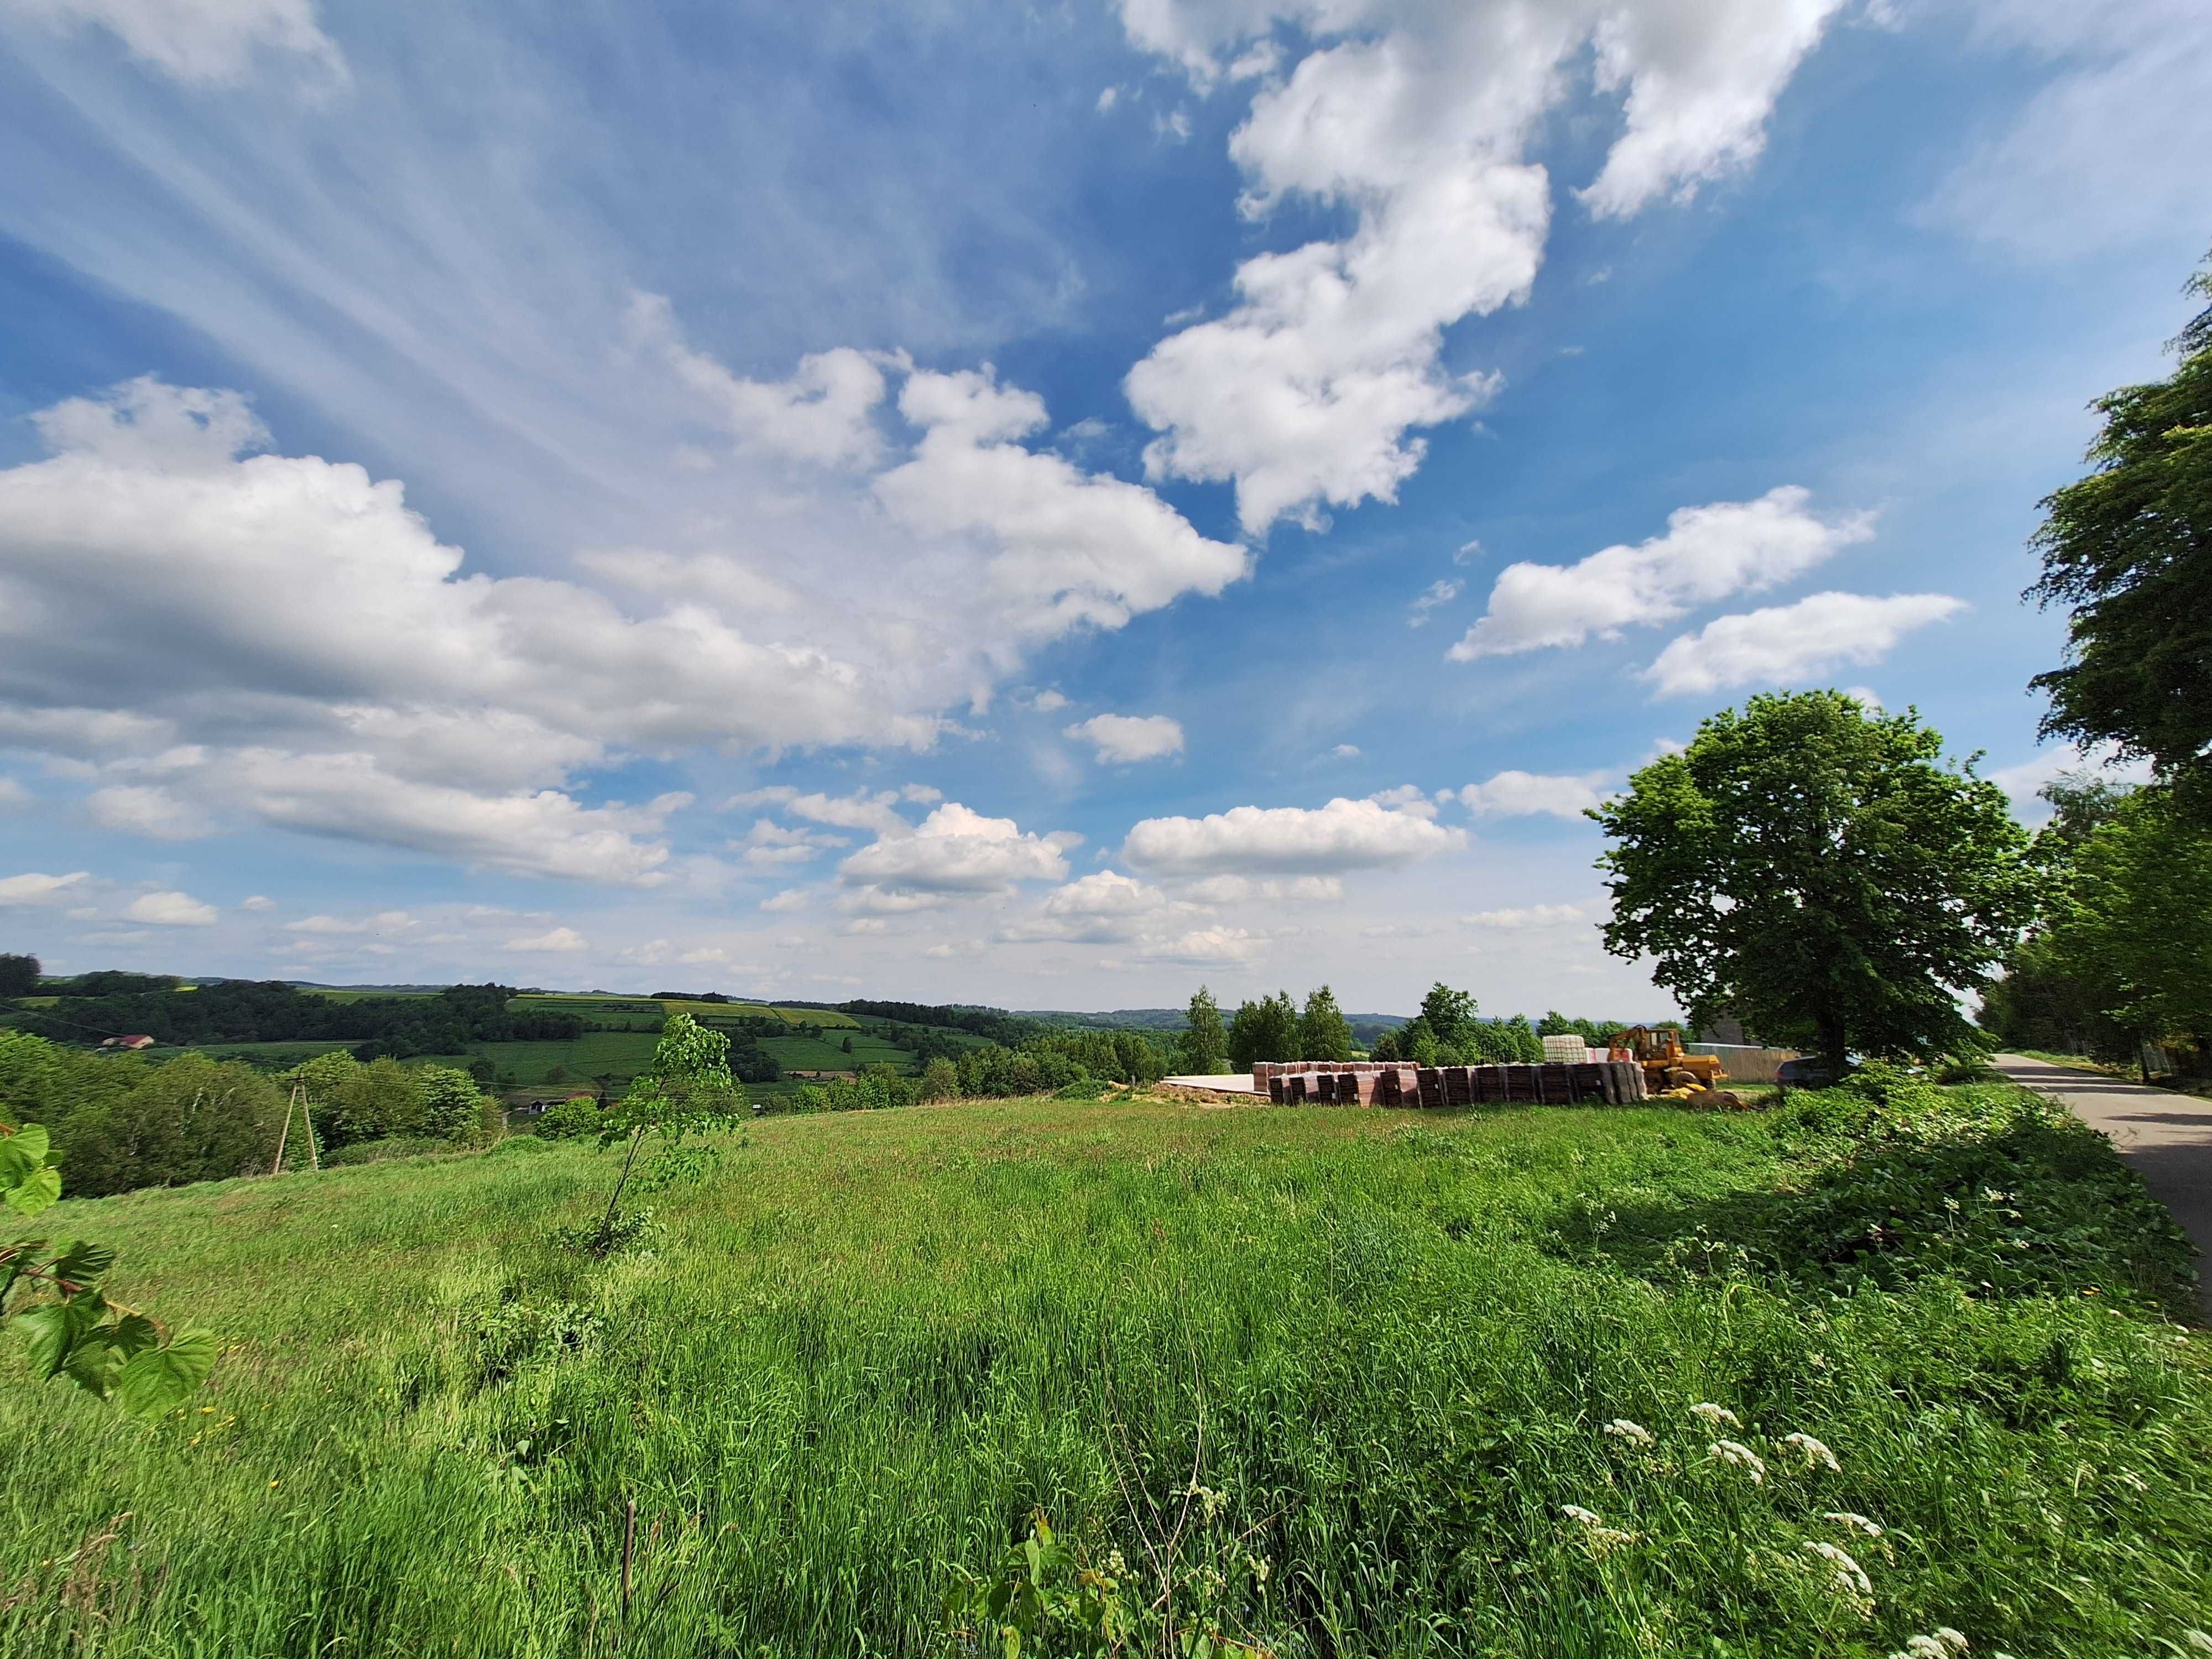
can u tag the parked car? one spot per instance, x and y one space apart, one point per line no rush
1807 1072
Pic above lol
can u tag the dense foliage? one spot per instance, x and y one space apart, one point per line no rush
1323 1380
245 1011
2114 960
56 1300
122 1121
1816 871
1448 1031
2129 550
994 1024
1051 1061
1202 1049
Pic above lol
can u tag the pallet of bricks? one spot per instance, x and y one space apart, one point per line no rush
1380 1082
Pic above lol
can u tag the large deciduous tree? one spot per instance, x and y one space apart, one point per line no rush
1819 872
1323 1032
2128 549
1202 1050
2127 922
1266 1030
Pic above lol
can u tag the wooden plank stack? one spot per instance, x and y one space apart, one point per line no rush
1385 1083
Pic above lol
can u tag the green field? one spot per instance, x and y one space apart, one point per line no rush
270 1056
345 993
1336 1373
604 1008
828 1053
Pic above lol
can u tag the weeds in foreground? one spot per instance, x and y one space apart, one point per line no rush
1498 1386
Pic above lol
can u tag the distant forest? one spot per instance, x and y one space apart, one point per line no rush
97 1005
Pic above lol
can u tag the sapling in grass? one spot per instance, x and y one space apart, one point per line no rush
106 1348
687 1090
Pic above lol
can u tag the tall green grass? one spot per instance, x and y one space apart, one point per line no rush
1337 1371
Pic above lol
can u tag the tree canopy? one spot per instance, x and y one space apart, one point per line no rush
1323 1032
2128 549
1818 871
1202 1050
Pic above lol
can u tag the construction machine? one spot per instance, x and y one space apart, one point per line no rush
1658 1050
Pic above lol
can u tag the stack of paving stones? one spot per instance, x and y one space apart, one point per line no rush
1382 1083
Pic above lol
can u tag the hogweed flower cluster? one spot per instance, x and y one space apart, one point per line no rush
1713 1416
1634 1433
1601 1538
1857 1524
1816 1454
1736 1454
1849 1578
1945 1644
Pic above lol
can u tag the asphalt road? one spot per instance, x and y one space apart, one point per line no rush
2167 1137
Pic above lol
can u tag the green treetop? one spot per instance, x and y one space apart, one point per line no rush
1817 872
2129 550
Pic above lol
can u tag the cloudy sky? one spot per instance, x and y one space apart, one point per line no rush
1037 505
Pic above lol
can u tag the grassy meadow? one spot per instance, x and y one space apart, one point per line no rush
1319 1380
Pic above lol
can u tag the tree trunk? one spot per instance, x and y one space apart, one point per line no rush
1833 1048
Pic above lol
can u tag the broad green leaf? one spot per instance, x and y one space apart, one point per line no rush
55 1328
83 1262
22 1253
133 1333
29 1143
160 1378
34 1192
94 1362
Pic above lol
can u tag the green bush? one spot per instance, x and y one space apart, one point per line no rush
567 1118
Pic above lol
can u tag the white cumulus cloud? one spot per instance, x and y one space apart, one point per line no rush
1062 547
1786 645
557 941
1527 916
171 910
1343 836
1125 739
823 413
955 850
1708 553
147 810
35 887
1415 118
1514 794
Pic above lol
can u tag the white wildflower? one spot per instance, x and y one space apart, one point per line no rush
1634 1433
1850 1578
1713 1416
1736 1454
1601 1538
1857 1524
1945 1644
1814 1453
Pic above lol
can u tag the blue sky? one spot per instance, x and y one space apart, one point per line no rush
1037 507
